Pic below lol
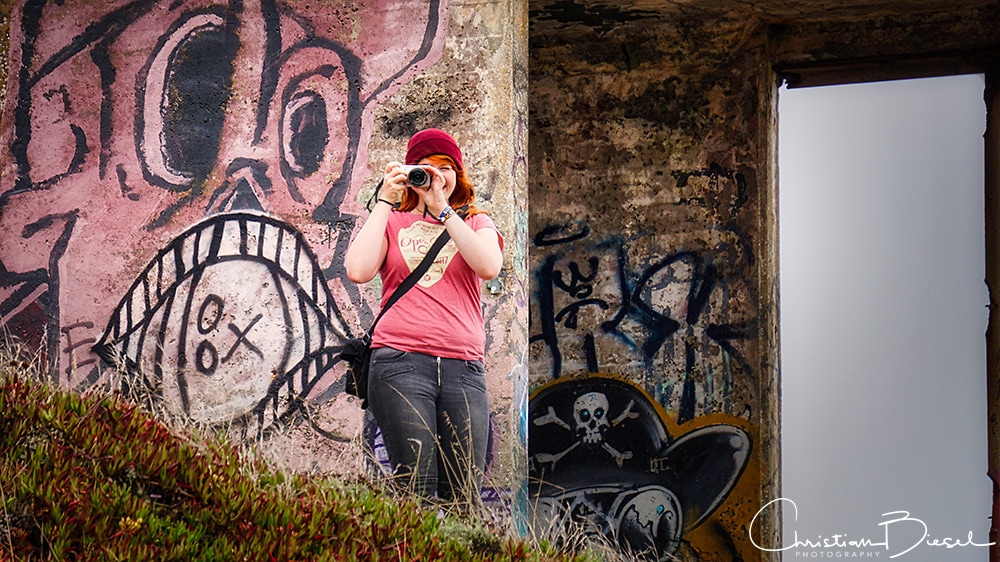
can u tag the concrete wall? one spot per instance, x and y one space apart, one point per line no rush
648 261
650 396
180 180
653 414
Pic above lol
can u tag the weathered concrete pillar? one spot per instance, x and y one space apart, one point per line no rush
992 180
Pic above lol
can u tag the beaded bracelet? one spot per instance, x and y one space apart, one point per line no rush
446 213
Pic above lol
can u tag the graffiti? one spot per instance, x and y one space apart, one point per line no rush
178 188
236 350
671 315
604 461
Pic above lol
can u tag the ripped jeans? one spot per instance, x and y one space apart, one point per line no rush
434 416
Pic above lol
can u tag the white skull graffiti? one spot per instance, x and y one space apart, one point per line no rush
591 414
590 410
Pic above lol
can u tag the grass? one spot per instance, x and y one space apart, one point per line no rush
94 477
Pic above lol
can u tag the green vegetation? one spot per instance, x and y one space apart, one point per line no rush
95 478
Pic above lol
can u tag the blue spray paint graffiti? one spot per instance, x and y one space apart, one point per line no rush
670 320
669 311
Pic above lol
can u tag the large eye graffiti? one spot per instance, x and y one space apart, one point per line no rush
182 101
231 324
304 133
314 121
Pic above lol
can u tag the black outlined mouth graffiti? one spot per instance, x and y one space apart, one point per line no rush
231 324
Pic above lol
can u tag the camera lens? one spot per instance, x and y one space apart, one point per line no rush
418 177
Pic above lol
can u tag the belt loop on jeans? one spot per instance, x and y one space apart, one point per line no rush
439 370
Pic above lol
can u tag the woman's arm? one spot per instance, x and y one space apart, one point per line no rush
367 251
479 248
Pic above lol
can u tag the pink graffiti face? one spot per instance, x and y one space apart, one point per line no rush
176 176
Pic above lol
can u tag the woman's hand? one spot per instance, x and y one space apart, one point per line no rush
434 196
367 250
394 183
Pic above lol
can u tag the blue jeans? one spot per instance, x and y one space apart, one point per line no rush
434 416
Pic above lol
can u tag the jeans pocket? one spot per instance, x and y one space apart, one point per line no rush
474 375
388 362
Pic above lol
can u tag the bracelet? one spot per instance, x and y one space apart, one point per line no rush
386 201
446 213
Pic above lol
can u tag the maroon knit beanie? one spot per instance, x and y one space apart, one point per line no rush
432 141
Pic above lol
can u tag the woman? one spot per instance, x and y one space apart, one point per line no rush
427 387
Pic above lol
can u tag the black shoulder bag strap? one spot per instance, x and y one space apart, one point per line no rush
411 279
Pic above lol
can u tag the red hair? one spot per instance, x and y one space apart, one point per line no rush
463 196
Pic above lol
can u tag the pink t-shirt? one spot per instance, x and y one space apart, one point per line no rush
441 315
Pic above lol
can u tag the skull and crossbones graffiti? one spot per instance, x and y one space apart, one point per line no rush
592 418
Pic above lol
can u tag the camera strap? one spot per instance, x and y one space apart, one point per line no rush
411 279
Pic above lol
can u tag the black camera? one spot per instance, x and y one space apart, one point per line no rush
417 176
